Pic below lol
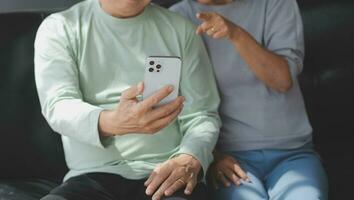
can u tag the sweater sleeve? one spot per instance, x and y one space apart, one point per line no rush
284 33
57 81
199 121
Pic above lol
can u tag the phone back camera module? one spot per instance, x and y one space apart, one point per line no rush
154 66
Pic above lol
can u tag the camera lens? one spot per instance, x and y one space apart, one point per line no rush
151 62
158 66
151 69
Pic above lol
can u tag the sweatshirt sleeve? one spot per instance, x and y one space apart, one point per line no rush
199 120
284 33
57 81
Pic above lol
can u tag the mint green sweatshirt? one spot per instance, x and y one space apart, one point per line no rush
85 59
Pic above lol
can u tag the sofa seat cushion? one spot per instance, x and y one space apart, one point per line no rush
25 189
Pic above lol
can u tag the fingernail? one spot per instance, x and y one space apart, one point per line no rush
187 192
148 191
170 88
248 180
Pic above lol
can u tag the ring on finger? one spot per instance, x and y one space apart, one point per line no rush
210 32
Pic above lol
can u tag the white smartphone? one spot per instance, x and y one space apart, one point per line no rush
159 72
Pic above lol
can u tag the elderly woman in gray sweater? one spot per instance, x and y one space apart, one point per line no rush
265 148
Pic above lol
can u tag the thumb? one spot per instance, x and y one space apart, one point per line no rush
133 91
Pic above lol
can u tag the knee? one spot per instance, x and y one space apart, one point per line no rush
308 192
241 192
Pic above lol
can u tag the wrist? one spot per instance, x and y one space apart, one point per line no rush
191 162
106 123
186 159
236 35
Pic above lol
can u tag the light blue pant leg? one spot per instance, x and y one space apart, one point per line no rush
247 191
298 177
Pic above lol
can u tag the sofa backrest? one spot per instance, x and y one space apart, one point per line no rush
328 86
28 147
11 6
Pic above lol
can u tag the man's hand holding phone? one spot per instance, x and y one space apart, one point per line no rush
133 116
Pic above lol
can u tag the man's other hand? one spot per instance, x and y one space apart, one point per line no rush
174 174
132 116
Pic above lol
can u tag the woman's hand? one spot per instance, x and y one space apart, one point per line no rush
269 67
216 26
132 116
226 170
174 174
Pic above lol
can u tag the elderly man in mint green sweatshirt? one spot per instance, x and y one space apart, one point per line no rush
89 61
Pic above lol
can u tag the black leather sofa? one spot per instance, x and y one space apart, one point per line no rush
31 155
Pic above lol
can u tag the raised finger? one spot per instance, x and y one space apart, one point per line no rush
166 109
133 91
205 16
156 97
